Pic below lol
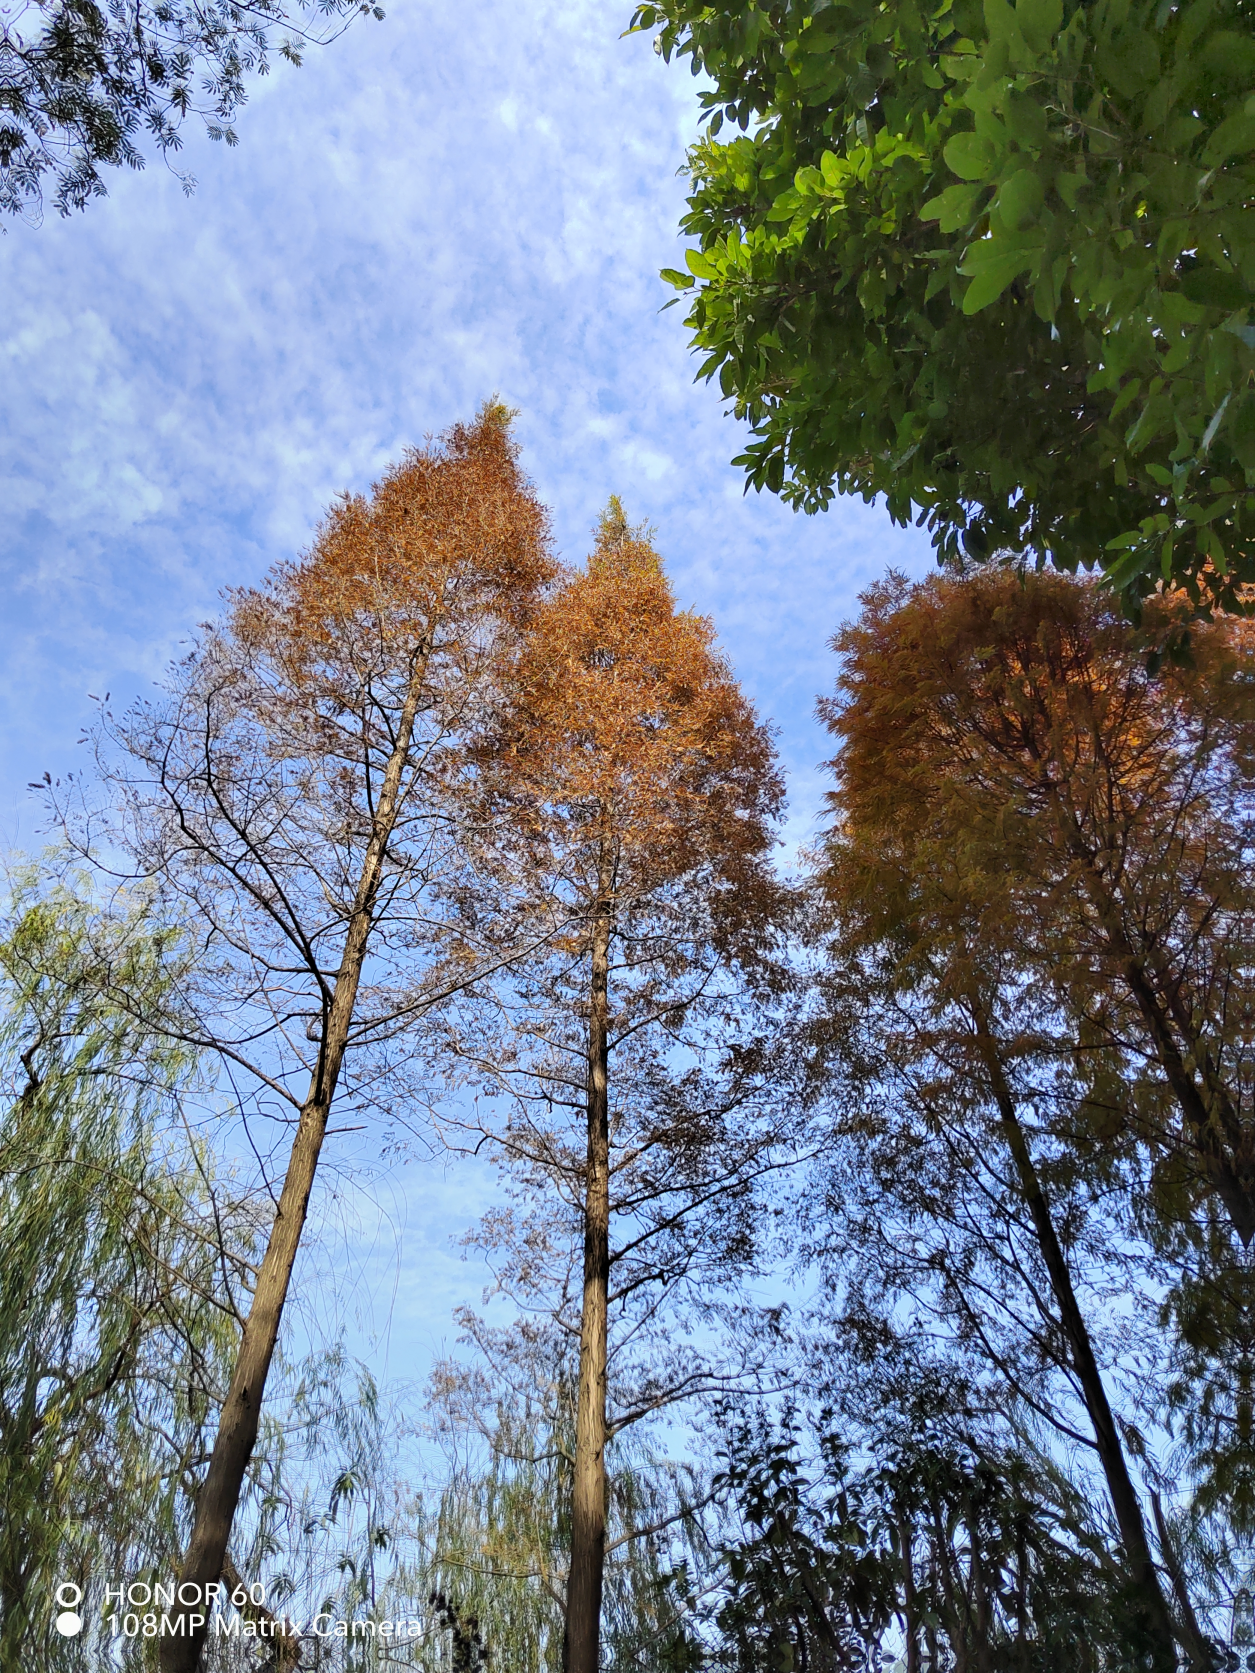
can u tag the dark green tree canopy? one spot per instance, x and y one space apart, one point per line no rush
994 262
83 84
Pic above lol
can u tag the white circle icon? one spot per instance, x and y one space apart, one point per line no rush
68 1623
69 1596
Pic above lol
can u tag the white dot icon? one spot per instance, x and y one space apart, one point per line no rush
69 1596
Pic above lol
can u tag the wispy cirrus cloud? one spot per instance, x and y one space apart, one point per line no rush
452 202
457 201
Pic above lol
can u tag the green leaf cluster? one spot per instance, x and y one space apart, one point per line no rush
990 1553
83 86
993 262
116 1268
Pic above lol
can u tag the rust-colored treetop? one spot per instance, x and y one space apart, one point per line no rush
1021 790
452 535
1013 728
629 729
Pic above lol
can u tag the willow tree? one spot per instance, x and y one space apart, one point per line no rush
496 1537
290 798
120 1265
634 792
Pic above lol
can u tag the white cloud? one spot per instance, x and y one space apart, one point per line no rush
457 201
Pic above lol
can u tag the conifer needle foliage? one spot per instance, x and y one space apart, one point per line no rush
291 795
634 795
1038 985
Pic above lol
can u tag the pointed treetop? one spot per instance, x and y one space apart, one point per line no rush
490 435
458 510
496 414
623 541
612 526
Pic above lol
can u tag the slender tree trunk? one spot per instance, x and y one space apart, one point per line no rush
981 1647
954 1618
582 1641
910 1615
237 1427
1226 1145
1124 1500
931 1644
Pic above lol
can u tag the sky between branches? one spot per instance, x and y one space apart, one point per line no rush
457 201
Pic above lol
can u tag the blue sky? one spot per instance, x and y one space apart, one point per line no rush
458 201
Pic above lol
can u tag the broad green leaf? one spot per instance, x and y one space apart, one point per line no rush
954 208
1233 138
1126 397
1214 289
1039 21
1049 288
1127 568
992 265
1131 62
1069 187
970 156
1000 19
1026 120
1177 309
1020 199
1242 432
960 66
833 168
785 206
1217 418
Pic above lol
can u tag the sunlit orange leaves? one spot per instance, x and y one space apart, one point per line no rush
451 534
628 726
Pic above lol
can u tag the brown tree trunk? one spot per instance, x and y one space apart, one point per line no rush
237 1426
581 1650
1124 1500
954 1614
931 1643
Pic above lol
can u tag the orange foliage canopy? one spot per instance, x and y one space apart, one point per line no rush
1015 784
629 733
449 538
